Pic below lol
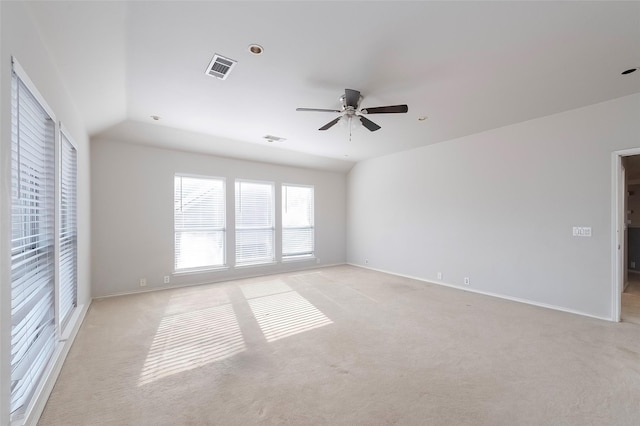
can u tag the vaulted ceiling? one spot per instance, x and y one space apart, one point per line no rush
466 66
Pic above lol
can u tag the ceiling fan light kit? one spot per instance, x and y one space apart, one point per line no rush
351 109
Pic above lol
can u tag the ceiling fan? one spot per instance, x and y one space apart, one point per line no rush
351 110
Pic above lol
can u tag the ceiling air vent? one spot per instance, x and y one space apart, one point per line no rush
220 67
271 138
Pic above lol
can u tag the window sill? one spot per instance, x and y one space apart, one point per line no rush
293 259
200 270
252 265
72 323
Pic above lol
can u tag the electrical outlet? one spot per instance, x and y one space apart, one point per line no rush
318 260
581 231
467 281
439 275
143 282
167 279
366 261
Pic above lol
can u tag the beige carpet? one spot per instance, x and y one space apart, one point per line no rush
343 346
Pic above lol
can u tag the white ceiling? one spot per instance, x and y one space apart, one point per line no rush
468 66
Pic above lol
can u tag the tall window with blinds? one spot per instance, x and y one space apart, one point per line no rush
297 222
254 222
199 222
33 327
68 229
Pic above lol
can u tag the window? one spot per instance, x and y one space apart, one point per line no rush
254 222
297 221
68 229
199 222
33 327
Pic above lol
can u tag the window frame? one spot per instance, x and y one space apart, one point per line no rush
63 321
26 404
266 261
223 229
299 257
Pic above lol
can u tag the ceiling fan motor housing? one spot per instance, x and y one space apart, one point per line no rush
343 101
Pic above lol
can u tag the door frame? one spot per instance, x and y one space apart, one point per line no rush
617 229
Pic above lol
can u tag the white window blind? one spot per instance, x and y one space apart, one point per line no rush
33 329
68 229
199 222
254 222
297 221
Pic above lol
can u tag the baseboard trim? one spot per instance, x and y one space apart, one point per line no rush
243 277
487 293
43 392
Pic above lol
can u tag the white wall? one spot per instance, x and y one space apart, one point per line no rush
20 38
132 196
499 207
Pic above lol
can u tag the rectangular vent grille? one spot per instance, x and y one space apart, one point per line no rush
271 138
220 67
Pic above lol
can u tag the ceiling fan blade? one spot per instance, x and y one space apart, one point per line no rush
330 124
369 124
351 97
318 109
391 109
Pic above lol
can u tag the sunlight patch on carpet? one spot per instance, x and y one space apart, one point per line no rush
190 340
286 314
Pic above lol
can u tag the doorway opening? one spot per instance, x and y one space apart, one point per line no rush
626 236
